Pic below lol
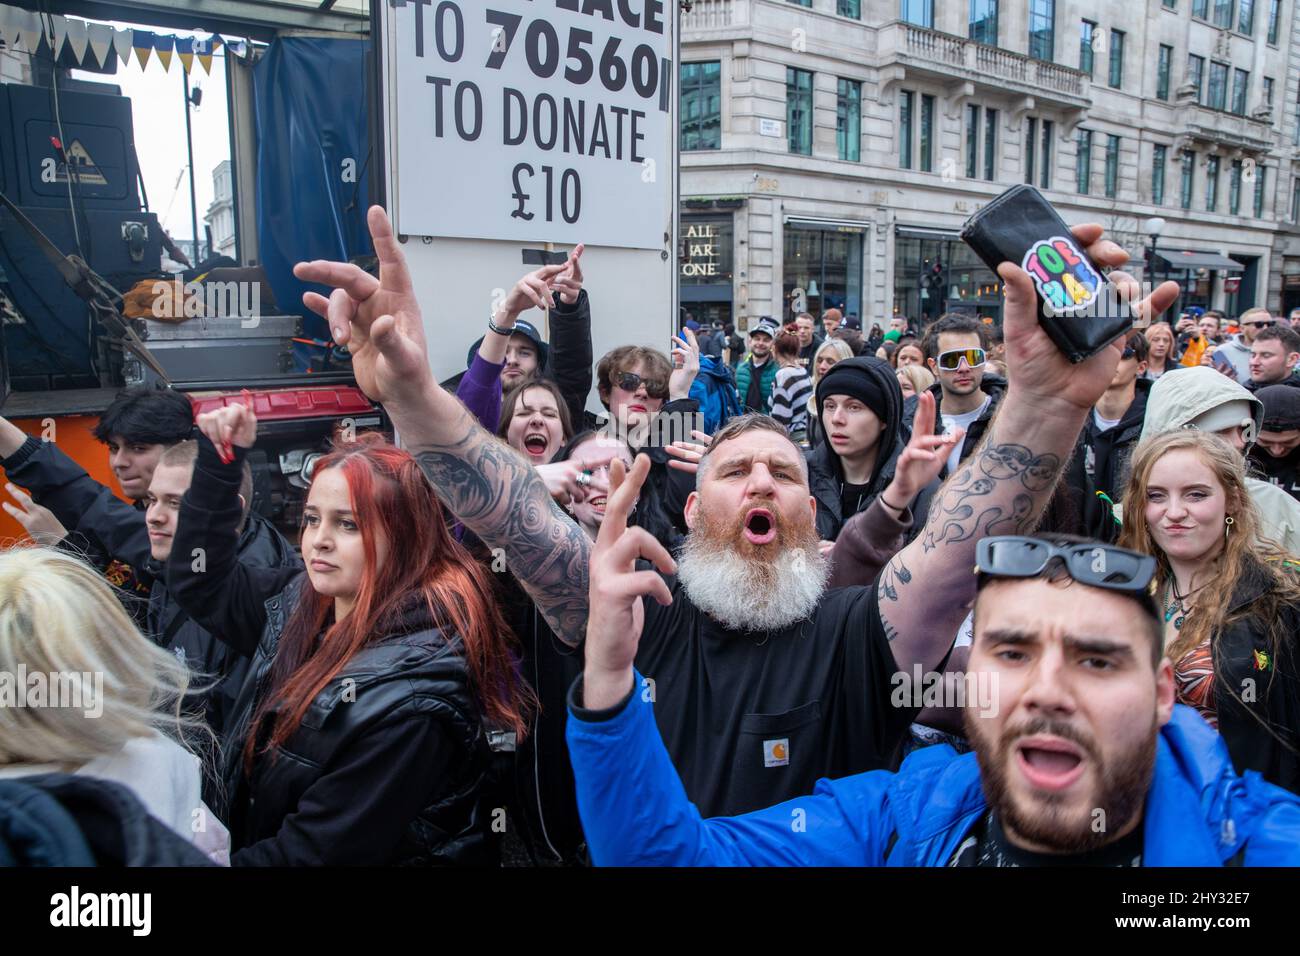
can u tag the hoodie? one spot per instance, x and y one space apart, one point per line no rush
1101 465
1183 395
826 469
1281 414
1236 350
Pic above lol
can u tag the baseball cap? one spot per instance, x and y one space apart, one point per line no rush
524 328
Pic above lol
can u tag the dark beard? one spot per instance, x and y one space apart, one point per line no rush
1122 787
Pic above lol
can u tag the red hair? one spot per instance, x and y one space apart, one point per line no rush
390 492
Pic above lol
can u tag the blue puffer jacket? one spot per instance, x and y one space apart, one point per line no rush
635 812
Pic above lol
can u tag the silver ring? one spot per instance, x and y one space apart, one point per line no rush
583 479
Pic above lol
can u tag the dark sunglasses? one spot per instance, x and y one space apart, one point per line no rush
630 382
1093 563
951 360
1262 325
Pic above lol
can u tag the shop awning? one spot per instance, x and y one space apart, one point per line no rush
1189 259
843 225
922 232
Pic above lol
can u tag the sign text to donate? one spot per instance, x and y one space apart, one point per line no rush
544 103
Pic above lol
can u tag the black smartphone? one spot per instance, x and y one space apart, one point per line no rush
1077 306
541 257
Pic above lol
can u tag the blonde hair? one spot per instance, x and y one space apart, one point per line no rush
841 349
1244 551
59 618
920 377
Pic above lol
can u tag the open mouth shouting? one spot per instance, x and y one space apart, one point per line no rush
760 526
536 444
1049 763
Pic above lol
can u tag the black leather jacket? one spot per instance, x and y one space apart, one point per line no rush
389 762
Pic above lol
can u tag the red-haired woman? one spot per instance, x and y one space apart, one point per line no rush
358 736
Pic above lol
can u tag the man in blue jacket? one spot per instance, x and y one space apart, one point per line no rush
1081 755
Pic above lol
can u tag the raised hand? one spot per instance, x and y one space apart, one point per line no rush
532 290
562 477
1036 368
686 364
686 455
377 319
569 282
227 426
923 458
39 522
616 589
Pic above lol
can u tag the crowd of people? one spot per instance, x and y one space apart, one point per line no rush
704 626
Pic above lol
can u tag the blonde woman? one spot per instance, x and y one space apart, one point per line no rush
830 352
914 379
1231 599
110 698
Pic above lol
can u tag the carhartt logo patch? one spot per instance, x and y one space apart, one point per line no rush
776 753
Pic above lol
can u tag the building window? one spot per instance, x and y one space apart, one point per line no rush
1185 185
1234 187
800 3
1042 29
1116 58
972 139
1158 176
984 21
905 129
1083 165
1086 30
1261 175
927 132
799 110
1240 83
1211 183
1196 74
1295 201
1223 13
1170 4
827 265
1246 17
1217 98
1295 137
919 12
1200 9
848 120
1112 166
1045 174
849 8
990 144
701 105
1162 71
1274 14
1031 139
1268 93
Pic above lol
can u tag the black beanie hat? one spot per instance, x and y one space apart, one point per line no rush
868 379
1281 407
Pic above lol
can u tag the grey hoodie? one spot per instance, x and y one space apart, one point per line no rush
1183 395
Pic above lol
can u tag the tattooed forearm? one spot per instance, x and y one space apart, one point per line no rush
962 513
498 496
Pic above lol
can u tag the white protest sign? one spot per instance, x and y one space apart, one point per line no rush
533 120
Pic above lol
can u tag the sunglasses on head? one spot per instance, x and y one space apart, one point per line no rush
1091 562
951 360
630 382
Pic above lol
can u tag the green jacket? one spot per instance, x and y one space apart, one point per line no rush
767 375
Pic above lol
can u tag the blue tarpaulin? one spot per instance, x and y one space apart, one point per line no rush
312 133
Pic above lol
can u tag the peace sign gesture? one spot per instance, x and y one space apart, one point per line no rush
616 589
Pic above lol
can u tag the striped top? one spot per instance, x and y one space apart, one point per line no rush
790 393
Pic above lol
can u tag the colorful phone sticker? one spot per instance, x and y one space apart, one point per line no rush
1064 277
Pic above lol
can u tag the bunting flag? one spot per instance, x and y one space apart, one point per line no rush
142 43
101 42
185 50
93 44
162 44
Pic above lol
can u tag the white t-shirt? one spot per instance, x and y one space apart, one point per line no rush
1104 424
952 422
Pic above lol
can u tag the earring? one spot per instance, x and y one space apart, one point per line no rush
1227 527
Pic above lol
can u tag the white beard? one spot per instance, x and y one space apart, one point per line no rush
746 595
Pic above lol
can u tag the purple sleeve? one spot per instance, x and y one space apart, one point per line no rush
480 390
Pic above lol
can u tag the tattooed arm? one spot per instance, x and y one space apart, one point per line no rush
499 496
484 483
1004 486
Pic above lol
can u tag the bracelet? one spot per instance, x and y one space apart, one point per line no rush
881 498
493 327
